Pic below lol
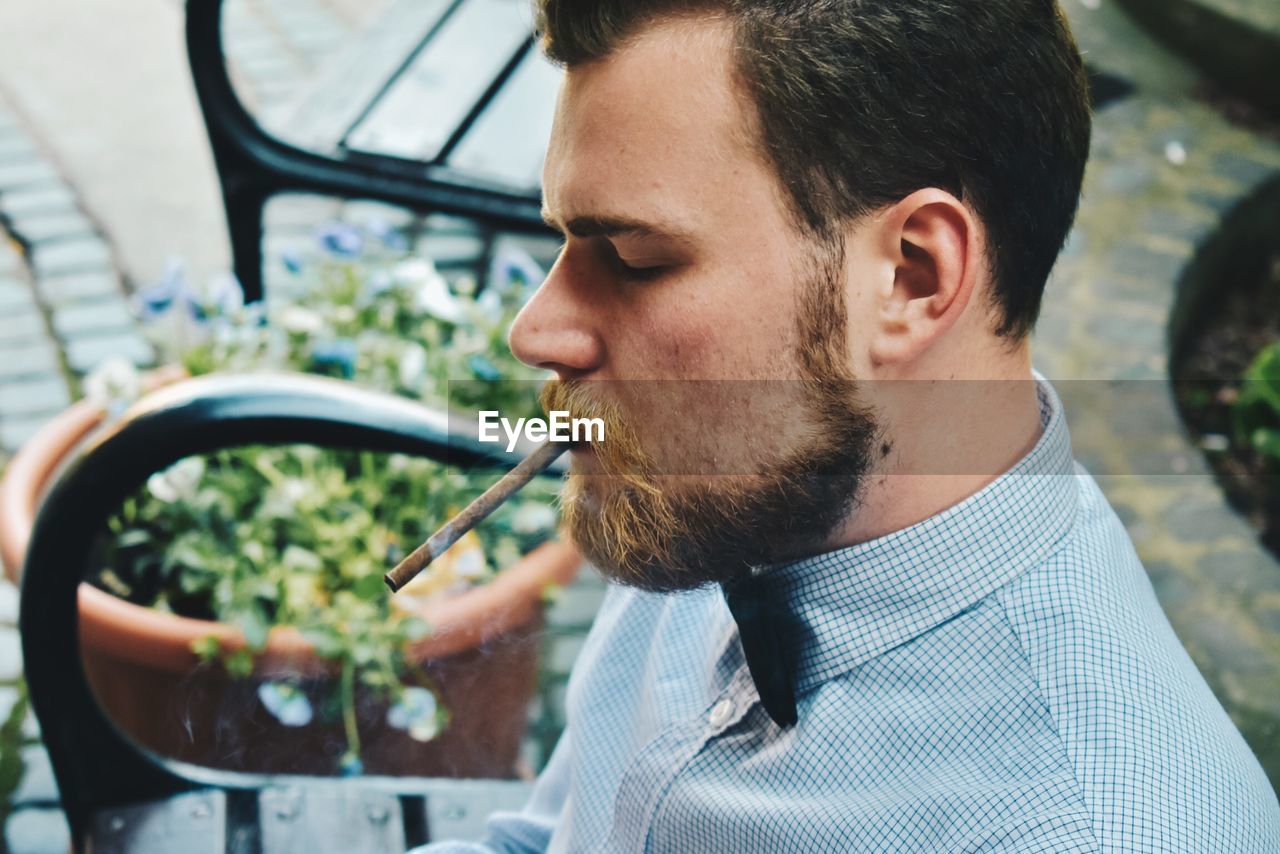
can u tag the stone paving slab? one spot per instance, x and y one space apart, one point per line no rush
38 831
78 288
37 785
52 200
90 350
10 256
21 326
16 431
38 358
25 397
8 603
26 173
83 254
15 296
111 312
10 654
47 227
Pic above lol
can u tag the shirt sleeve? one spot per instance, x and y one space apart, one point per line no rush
530 829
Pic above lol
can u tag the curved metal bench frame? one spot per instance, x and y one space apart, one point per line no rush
253 165
96 767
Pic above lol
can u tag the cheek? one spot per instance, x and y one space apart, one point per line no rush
868 278
710 332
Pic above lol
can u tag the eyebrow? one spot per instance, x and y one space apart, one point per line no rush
612 226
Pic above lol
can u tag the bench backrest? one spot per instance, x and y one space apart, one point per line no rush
456 84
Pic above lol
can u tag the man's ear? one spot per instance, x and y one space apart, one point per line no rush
931 242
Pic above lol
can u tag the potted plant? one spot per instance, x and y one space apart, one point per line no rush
237 617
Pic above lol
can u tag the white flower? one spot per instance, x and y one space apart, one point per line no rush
220 295
532 518
433 297
414 271
416 712
282 500
178 482
430 291
1215 442
1175 152
304 321
286 703
113 384
413 365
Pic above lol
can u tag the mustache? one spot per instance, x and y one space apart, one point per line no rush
620 453
574 397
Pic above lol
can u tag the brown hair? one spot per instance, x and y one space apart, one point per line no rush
862 102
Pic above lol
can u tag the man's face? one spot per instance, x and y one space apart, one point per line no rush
687 311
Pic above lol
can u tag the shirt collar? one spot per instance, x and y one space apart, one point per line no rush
847 606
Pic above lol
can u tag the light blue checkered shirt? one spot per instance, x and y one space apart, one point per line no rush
998 677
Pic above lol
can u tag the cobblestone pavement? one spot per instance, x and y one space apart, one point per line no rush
1165 170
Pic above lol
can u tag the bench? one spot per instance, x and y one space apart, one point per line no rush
442 106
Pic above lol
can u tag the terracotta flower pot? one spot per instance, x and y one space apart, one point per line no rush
481 655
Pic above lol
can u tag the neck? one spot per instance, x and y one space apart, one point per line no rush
948 438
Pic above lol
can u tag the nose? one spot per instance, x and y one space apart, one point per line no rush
558 329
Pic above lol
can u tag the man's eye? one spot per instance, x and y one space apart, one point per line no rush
609 256
640 273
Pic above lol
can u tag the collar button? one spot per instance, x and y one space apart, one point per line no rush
720 713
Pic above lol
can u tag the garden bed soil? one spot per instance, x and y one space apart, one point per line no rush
1207 380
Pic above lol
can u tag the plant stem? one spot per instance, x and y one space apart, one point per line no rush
349 707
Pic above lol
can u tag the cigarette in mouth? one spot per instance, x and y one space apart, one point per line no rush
475 513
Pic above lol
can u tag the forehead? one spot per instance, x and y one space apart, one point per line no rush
659 125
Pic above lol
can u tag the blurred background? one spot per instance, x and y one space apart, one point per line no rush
113 211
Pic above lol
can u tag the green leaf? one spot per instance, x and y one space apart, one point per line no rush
328 643
551 593
255 626
133 537
1266 441
371 588
239 663
207 648
12 763
1257 408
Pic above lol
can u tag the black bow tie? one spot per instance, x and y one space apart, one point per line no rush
762 616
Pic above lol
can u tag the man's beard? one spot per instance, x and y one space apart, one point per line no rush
671 530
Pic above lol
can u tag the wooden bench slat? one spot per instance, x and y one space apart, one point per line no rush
343 90
425 105
509 139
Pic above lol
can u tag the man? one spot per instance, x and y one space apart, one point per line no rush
867 601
